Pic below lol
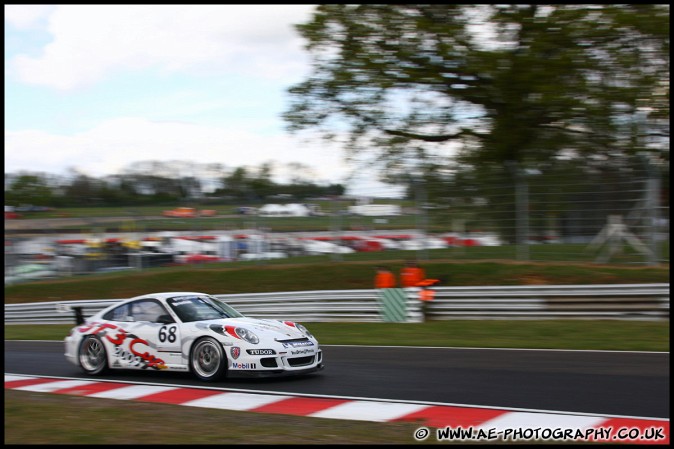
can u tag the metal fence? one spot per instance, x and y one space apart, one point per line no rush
615 213
624 302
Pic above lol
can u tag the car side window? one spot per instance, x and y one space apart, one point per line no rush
147 310
120 313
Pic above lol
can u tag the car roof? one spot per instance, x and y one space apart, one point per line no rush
166 295
161 296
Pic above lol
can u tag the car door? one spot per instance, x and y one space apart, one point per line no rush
155 339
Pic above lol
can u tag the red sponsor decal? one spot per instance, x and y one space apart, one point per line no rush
151 360
230 330
119 338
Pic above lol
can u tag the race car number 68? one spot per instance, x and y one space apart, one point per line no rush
170 335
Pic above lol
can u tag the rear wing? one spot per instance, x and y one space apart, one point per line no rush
77 310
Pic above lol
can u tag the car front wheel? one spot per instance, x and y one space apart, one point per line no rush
208 361
93 356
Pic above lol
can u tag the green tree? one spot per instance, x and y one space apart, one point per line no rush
420 85
261 183
236 183
30 189
83 190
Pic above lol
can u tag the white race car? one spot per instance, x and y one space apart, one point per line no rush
188 331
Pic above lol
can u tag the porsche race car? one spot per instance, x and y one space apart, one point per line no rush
189 331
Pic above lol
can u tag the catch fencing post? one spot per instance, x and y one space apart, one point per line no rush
521 209
652 209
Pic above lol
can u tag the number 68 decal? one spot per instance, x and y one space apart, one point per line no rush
168 333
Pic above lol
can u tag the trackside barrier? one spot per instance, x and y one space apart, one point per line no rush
54 312
621 301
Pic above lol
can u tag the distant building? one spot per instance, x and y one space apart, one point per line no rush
375 210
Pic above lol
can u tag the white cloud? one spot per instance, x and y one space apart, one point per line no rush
113 144
26 17
92 42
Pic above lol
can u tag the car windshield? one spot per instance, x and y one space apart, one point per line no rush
197 308
229 310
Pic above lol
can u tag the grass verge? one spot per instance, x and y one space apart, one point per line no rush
315 273
549 334
39 418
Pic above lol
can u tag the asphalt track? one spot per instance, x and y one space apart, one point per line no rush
607 383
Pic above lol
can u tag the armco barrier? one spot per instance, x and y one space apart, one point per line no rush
621 301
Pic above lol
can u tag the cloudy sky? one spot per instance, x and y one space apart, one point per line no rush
98 87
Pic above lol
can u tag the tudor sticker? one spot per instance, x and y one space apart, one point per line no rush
260 351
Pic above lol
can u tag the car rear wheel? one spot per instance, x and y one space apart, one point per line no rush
93 356
208 361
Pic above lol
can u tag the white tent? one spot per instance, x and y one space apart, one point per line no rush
284 210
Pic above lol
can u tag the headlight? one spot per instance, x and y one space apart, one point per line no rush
304 330
241 333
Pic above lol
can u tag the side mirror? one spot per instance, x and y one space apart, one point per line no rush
165 319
